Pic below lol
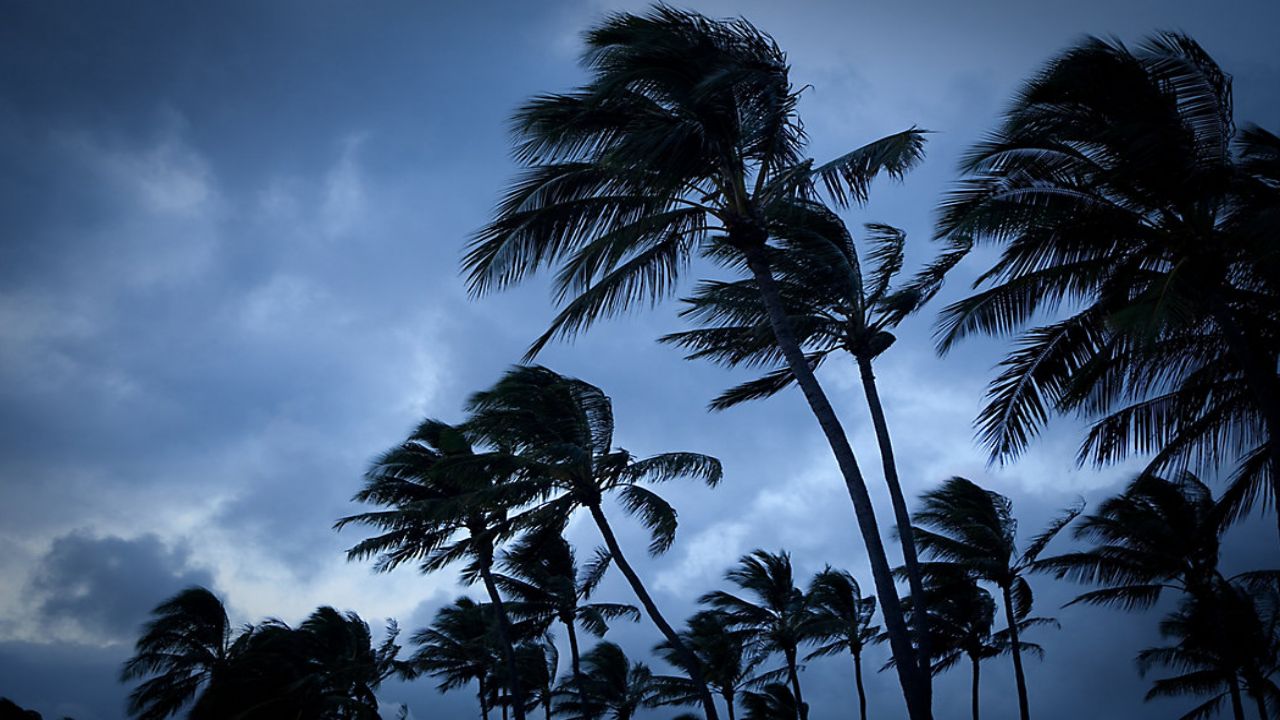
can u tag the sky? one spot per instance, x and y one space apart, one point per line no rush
229 278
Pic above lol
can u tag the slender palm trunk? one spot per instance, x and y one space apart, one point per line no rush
902 516
692 665
504 636
862 692
793 674
1237 705
1024 710
728 703
915 685
484 700
977 675
1261 701
575 663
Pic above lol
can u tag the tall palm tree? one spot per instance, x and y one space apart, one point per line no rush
1112 190
186 646
778 619
616 687
685 141
434 485
966 527
840 621
558 432
544 585
458 649
729 660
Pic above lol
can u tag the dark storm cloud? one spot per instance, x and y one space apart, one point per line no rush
105 587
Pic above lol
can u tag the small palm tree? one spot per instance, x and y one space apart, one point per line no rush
774 701
458 648
729 660
966 527
185 647
779 618
616 688
840 622
434 485
558 434
685 141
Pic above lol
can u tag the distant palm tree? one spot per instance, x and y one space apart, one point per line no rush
840 621
341 666
684 142
185 647
558 433
458 648
616 688
773 702
1228 645
434 485
1112 190
729 660
779 617
964 526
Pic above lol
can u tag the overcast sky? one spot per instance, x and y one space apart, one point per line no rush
228 278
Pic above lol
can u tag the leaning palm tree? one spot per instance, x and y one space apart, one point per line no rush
685 141
778 619
617 688
1112 190
558 434
840 622
434 485
458 648
965 527
184 648
729 660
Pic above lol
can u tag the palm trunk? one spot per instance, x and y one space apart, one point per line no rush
728 703
862 692
575 662
1024 710
504 636
977 674
915 686
906 534
691 662
793 674
1256 694
1237 705
484 700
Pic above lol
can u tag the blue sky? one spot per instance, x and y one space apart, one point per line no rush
228 278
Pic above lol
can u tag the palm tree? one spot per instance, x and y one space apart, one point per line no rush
773 702
558 432
544 586
1227 646
729 660
840 621
779 619
341 667
186 646
616 687
685 141
1112 190
458 649
433 484
966 527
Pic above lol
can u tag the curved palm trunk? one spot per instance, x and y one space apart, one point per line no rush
862 692
693 665
1024 711
915 685
504 637
902 516
1237 706
575 663
793 674
977 674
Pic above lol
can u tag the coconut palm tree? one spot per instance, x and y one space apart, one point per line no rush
186 646
966 527
840 621
558 434
434 485
778 620
729 660
458 648
685 141
616 687
774 701
1112 190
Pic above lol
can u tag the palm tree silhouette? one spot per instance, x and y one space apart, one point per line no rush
183 649
774 701
729 660
616 688
434 485
458 648
966 527
684 142
841 622
558 432
779 619
1112 190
